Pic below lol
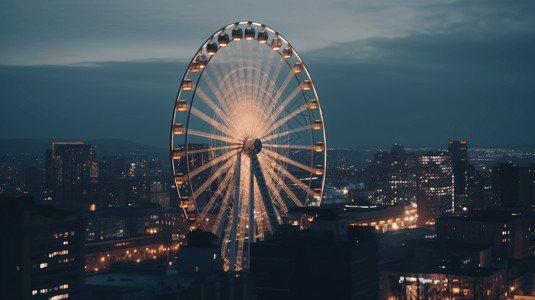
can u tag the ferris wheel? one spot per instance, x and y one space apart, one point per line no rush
247 138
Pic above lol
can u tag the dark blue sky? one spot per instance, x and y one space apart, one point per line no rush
413 72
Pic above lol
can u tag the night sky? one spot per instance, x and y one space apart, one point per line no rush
413 72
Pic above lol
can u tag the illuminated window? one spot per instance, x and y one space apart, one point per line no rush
34 292
43 265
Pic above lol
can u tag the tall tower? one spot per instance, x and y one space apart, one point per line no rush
68 171
458 151
435 189
394 176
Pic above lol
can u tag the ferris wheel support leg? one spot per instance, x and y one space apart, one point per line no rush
262 186
235 210
251 214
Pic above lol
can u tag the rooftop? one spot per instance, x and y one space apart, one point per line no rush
409 266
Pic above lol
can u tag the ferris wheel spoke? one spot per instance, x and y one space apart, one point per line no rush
221 83
284 133
287 190
265 76
234 77
223 212
216 92
213 162
274 191
259 205
212 136
241 70
273 82
291 194
286 102
297 182
219 189
261 92
287 118
221 127
280 90
225 167
288 160
191 152
294 179
249 80
206 99
238 130
228 78
259 74
212 86
302 147
255 76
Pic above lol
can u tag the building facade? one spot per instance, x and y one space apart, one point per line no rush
330 261
435 190
69 170
394 176
508 233
42 253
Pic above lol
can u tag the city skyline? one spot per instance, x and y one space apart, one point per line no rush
114 185
417 74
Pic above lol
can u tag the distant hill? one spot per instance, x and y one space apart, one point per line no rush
104 146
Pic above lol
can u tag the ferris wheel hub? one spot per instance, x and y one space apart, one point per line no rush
252 146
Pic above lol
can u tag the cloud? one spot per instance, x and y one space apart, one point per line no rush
70 32
425 89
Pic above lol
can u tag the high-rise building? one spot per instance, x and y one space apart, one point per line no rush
526 184
508 233
505 185
513 186
435 190
42 252
394 177
69 168
458 151
330 261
